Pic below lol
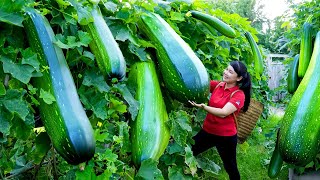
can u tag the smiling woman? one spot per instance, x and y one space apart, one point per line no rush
219 128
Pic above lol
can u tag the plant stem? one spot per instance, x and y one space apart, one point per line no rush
39 166
13 175
1 174
55 175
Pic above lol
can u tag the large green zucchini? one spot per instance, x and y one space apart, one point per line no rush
293 79
65 119
305 47
257 57
214 22
149 133
183 73
104 47
276 161
299 140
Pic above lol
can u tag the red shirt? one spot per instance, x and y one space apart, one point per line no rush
219 98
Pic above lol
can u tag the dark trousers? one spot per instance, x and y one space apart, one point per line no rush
226 146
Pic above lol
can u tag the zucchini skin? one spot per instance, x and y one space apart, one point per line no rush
293 79
257 57
65 119
149 133
214 22
299 137
106 50
183 73
305 48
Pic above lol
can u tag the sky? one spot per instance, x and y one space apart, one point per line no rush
274 8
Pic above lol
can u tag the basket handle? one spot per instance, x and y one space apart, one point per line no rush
234 116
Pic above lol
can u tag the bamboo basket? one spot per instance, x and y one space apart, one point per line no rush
246 121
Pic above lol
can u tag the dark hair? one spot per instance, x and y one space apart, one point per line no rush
245 83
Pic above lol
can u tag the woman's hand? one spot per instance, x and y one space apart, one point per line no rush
197 105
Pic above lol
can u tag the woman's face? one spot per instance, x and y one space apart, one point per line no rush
230 76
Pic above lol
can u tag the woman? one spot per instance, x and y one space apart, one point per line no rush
219 128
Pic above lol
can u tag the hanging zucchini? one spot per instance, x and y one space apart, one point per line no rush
105 48
183 73
65 119
299 137
149 134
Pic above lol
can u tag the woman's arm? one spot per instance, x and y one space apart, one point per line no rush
220 112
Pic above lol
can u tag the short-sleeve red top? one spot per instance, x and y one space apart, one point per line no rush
220 96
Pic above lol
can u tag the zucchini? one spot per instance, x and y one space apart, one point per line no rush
105 48
275 162
214 22
183 73
305 47
293 79
149 133
257 57
65 119
299 137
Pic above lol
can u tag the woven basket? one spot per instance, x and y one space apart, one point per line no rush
247 120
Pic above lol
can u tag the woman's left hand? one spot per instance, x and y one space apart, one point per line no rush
196 105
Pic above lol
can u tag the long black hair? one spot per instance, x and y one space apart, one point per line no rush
245 83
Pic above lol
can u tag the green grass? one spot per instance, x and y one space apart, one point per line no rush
250 159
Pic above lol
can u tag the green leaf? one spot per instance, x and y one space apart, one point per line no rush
5 119
124 133
174 148
70 17
47 96
29 121
208 165
19 71
62 3
21 129
149 170
176 172
190 160
99 105
71 42
2 89
15 84
96 80
94 101
100 136
105 175
108 155
86 174
123 14
286 24
85 38
120 31
22 167
133 104
10 11
176 16
30 58
110 6
149 5
180 126
15 104
117 106
83 12
42 146
140 52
